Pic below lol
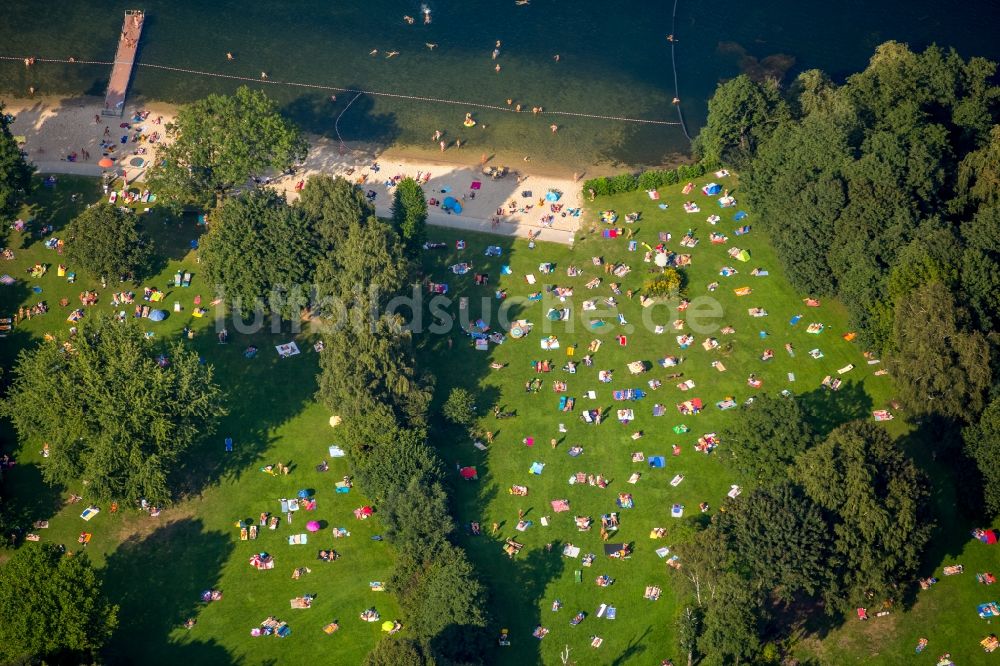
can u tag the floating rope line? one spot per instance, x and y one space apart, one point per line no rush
673 61
336 123
373 93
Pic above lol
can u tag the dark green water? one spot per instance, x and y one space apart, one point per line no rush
614 59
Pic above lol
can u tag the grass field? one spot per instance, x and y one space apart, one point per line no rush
525 588
156 568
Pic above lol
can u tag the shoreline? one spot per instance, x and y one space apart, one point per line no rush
56 127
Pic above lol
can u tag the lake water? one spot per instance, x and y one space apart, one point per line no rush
614 60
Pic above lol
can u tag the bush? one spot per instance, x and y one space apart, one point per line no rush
667 283
647 180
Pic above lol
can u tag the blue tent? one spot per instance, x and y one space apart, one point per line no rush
157 315
712 188
553 195
657 461
452 204
740 215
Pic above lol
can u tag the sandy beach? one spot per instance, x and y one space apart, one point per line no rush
57 131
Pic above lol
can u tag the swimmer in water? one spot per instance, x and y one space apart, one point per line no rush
518 108
556 57
554 128
430 46
409 20
229 56
521 3
263 75
509 101
670 38
498 43
497 68
373 52
496 52
391 54
676 100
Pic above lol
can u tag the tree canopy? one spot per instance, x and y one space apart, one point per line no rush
770 432
108 410
106 241
878 499
781 542
217 143
261 251
53 606
15 172
333 205
982 444
409 214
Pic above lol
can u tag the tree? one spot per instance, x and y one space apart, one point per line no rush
741 114
730 634
52 604
108 410
667 283
15 172
445 593
397 651
460 407
878 499
219 143
364 367
417 520
939 366
982 444
367 269
333 205
688 628
781 542
764 441
409 214
106 241
261 251
704 557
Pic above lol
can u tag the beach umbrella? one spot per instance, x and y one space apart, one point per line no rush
157 315
312 526
468 473
388 625
554 315
106 163
304 494
660 259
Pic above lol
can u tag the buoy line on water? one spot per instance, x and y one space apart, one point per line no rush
373 93
673 62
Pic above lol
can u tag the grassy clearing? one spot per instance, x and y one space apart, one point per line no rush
525 588
157 568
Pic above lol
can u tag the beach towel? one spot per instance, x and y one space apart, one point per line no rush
537 467
569 550
287 349
90 512
560 505
298 539
657 461
336 452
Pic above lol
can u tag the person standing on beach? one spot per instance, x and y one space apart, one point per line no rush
442 144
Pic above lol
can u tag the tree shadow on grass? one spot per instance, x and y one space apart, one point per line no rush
187 561
635 648
262 394
27 497
53 205
828 409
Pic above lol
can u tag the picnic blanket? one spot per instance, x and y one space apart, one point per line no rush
560 505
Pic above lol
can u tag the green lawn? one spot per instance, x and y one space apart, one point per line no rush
157 567
525 588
